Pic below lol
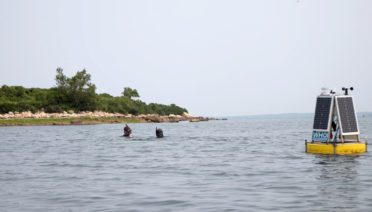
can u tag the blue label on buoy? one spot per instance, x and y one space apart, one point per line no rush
321 136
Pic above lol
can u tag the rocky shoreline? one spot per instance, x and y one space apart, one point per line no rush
99 115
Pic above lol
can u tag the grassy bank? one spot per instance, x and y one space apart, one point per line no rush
66 121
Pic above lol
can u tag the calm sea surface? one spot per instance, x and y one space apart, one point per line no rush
243 164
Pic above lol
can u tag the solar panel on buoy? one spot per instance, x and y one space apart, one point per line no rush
322 113
347 115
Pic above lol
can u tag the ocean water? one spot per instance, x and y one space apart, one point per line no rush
242 164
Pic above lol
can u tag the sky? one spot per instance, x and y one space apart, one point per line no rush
215 58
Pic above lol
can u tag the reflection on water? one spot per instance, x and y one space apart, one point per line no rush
337 183
341 168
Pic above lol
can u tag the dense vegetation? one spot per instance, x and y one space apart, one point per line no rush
77 93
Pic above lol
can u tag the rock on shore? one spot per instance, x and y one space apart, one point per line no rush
155 118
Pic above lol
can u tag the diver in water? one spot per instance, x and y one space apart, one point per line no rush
127 131
159 133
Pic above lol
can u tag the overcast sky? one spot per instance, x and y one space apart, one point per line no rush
213 57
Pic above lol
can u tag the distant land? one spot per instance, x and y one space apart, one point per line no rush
74 101
78 94
290 115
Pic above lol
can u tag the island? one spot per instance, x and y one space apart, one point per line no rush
74 101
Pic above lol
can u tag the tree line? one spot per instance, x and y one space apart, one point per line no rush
78 93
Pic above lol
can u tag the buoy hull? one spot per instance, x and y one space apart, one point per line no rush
336 149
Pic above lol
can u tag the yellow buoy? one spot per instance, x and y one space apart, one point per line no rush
336 149
335 129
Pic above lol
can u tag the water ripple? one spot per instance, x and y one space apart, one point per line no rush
250 165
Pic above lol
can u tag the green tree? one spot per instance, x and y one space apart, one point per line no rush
77 91
130 93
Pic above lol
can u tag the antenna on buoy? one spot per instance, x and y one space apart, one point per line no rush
346 90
